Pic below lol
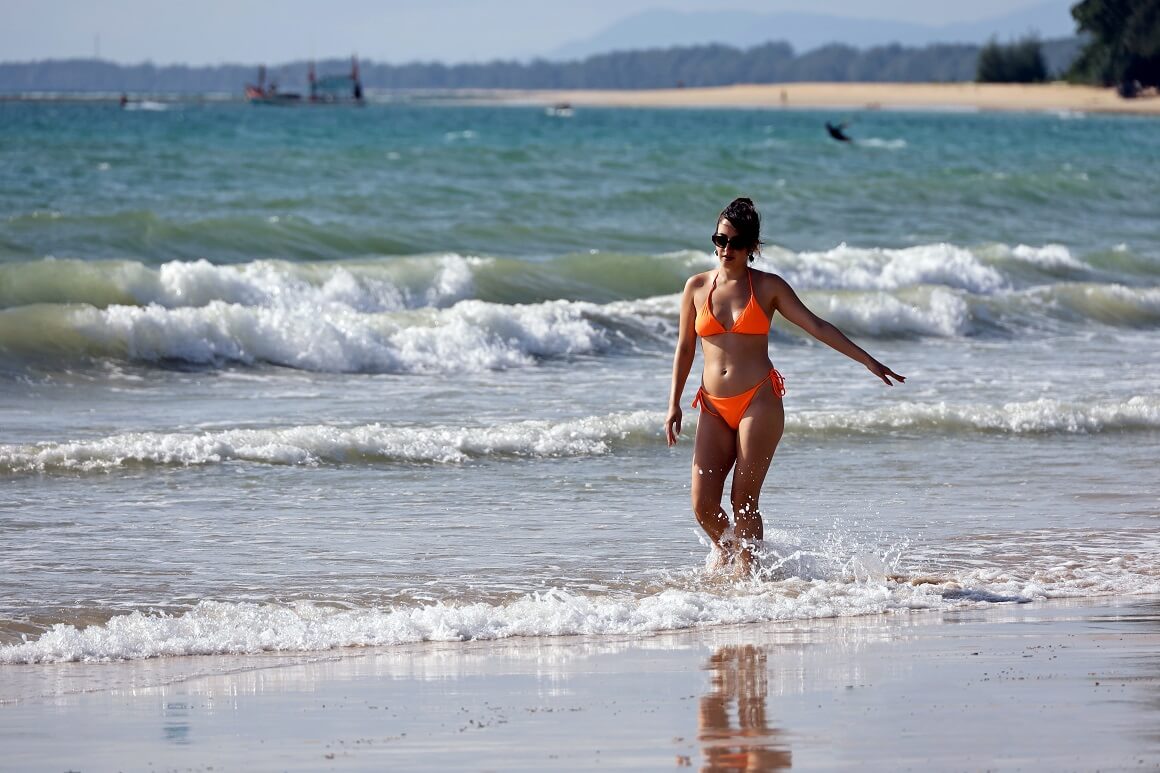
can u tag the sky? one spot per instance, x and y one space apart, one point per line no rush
201 32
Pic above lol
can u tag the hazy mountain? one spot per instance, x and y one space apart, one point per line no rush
705 65
807 31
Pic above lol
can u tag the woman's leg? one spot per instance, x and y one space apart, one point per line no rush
714 452
758 434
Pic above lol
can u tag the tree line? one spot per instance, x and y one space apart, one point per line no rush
692 66
1122 49
1120 46
1019 62
1125 44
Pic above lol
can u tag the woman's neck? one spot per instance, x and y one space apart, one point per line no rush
733 273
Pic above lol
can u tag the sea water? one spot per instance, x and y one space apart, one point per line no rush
296 379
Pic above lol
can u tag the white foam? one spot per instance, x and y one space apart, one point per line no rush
1017 418
213 627
945 313
147 105
474 335
589 436
1047 256
1109 303
370 287
333 337
852 268
878 142
316 444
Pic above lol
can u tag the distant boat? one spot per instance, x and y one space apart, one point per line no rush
559 110
261 94
327 90
337 88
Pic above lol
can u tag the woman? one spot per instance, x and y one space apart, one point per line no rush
730 308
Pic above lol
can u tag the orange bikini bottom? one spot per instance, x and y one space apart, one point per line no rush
731 409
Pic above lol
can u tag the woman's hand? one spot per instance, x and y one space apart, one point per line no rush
673 425
884 373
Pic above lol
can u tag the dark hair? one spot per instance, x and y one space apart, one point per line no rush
742 215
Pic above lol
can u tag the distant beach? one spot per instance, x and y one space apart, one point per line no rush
1005 97
885 96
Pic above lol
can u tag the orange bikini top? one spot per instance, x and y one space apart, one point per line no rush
751 320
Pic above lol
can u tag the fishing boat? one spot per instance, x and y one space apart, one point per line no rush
261 94
337 88
343 88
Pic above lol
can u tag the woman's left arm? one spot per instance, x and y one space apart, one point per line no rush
791 307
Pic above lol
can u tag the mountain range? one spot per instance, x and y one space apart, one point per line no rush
807 31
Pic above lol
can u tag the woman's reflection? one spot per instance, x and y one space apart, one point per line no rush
739 675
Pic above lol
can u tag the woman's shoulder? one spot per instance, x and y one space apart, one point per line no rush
697 281
766 278
768 285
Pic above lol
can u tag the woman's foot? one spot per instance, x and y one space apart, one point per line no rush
746 562
723 552
717 559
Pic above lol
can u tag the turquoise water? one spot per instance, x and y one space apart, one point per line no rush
306 378
234 184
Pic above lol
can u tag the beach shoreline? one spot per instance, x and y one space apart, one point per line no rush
848 96
1047 686
965 96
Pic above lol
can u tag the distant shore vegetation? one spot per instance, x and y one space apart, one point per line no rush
1019 62
1124 49
692 66
1119 45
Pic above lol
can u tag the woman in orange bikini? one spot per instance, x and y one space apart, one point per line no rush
730 308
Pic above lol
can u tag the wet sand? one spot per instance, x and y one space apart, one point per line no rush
1051 686
885 96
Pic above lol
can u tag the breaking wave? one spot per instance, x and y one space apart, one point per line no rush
435 313
588 436
864 585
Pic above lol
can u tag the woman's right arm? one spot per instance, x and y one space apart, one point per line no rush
682 362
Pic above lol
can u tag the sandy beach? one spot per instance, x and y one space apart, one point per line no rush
1050 686
866 96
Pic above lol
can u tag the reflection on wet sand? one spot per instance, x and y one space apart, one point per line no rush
740 677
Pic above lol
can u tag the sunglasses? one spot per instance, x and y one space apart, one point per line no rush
724 242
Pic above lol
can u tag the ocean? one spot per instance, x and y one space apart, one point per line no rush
302 379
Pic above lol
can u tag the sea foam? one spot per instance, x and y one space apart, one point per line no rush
937 313
1033 417
587 436
471 335
853 268
434 314
214 627
322 444
368 286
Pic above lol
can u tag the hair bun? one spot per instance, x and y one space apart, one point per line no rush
744 218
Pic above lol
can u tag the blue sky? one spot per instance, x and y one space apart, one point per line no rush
249 31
